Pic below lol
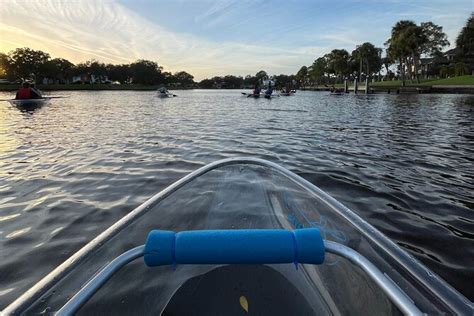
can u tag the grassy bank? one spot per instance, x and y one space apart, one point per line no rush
455 81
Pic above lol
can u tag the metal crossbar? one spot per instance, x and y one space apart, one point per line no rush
394 293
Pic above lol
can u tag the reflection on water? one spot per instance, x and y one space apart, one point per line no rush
71 168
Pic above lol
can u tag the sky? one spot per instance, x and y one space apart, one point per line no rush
214 37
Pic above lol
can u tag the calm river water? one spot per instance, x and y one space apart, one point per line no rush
70 169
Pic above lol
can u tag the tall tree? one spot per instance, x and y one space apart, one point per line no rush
26 63
433 39
59 69
119 73
232 82
146 72
4 65
283 80
261 75
250 80
369 59
399 45
409 41
302 76
387 62
465 41
338 61
184 78
318 70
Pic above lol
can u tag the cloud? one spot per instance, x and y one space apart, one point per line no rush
110 32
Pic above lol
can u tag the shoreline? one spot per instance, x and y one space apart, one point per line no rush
373 89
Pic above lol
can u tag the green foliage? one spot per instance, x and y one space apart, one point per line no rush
206 84
26 63
433 38
283 80
183 78
455 81
228 82
446 72
302 76
367 59
465 41
261 75
461 69
338 62
3 65
146 72
318 70
121 73
409 41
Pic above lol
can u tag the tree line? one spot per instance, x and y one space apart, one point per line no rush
405 47
236 82
25 64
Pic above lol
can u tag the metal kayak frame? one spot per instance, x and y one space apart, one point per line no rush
395 294
434 284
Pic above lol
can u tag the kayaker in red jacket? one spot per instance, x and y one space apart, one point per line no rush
25 92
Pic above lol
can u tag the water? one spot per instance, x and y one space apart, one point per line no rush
71 168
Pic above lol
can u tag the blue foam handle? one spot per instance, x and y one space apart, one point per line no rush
248 246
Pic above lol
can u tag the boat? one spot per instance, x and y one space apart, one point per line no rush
252 95
29 102
286 94
166 95
241 235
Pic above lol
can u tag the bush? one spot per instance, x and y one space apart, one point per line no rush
461 69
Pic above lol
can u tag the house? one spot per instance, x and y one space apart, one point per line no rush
425 66
450 55
92 79
430 67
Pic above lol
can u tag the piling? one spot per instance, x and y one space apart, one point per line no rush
356 87
346 86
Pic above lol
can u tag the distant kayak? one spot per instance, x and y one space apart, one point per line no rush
261 95
28 102
166 95
252 95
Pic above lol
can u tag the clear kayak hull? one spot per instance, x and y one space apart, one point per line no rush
244 194
28 102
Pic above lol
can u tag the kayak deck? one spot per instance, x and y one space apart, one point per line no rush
28 102
211 198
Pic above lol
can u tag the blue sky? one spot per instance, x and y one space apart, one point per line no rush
218 37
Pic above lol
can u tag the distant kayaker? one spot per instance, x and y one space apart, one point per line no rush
163 90
36 90
25 92
256 89
269 90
